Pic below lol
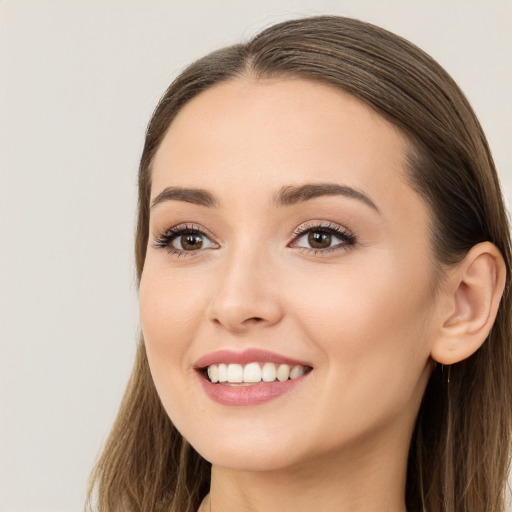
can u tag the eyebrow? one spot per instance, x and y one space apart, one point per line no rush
188 195
297 194
286 196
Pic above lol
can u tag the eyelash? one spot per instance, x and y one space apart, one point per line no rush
347 238
164 240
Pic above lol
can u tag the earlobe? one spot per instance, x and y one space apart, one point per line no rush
473 292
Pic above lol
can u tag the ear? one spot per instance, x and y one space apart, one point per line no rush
472 290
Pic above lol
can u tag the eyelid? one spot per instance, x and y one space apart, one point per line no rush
348 239
167 236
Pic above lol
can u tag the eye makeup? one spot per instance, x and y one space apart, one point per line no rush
318 234
184 239
317 237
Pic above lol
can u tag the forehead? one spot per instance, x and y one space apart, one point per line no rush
258 135
286 112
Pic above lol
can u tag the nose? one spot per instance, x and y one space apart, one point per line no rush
247 295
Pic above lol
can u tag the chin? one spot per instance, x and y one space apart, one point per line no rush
247 449
246 458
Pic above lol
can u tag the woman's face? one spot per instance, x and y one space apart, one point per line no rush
283 231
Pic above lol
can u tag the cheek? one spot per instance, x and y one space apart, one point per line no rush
171 312
170 309
364 301
371 326
373 334
168 323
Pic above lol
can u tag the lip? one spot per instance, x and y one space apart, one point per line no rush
252 355
254 394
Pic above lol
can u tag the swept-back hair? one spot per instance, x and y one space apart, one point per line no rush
459 453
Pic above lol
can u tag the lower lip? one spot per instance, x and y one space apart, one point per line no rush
253 394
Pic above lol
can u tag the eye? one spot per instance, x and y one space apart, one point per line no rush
183 238
323 238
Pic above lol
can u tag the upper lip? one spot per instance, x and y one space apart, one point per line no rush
251 355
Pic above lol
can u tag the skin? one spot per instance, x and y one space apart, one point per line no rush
363 315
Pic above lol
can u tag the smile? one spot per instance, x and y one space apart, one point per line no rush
254 373
251 377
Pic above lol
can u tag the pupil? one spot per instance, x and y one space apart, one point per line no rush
191 241
319 240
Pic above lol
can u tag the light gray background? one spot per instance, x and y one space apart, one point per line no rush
78 82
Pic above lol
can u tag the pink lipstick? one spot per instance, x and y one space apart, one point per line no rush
250 377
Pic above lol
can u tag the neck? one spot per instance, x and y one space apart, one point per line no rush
366 478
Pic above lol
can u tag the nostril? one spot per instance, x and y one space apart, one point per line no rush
254 319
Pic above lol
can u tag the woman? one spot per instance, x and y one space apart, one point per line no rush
324 259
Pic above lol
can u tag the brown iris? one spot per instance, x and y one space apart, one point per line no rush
319 239
191 242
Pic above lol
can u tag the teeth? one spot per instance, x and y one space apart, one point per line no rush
253 372
213 373
283 372
223 372
269 372
235 373
296 371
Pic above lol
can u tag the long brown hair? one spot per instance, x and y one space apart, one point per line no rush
459 452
